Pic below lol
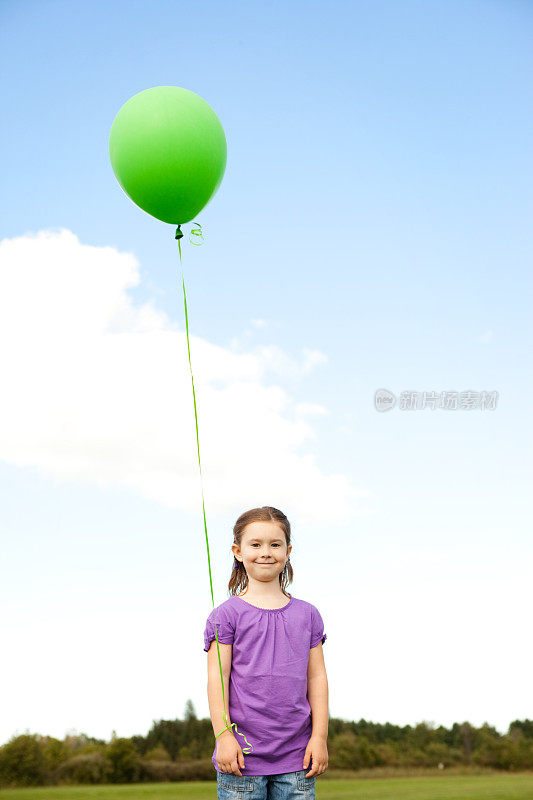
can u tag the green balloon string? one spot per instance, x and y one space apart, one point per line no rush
229 725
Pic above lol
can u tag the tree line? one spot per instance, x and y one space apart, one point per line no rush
181 750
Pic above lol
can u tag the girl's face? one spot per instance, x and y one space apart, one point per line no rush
263 551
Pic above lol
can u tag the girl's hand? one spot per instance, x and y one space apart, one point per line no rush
318 751
229 754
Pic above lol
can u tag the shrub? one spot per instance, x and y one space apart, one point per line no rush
84 768
158 753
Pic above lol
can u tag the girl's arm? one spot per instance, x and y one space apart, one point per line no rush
214 687
318 692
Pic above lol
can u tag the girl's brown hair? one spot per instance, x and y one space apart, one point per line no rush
239 579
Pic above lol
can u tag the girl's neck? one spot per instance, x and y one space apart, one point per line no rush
263 597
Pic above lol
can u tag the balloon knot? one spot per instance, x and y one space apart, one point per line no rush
179 234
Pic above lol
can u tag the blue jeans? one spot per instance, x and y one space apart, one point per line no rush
285 786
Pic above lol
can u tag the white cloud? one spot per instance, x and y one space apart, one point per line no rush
312 359
311 410
97 389
276 360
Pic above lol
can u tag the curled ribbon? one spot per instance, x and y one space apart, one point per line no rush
198 233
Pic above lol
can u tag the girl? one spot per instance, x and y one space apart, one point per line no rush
272 662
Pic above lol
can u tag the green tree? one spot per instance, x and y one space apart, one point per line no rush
344 751
525 726
55 752
125 764
190 711
22 762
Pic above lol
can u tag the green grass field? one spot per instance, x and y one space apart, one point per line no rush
456 787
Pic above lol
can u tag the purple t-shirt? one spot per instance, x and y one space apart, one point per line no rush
268 679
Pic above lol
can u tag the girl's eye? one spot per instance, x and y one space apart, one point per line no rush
276 544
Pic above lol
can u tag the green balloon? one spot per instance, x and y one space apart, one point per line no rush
168 152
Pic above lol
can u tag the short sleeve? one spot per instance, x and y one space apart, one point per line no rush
317 628
225 628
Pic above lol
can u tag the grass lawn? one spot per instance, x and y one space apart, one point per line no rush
441 787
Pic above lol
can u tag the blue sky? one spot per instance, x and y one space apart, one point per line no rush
372 231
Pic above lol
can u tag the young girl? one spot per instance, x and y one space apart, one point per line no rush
273 665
